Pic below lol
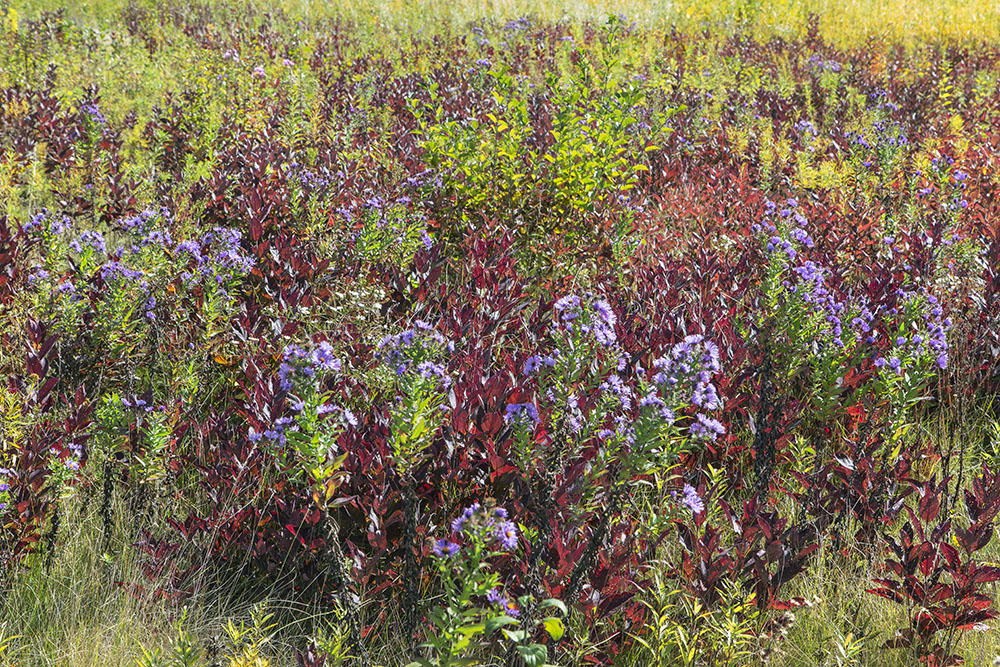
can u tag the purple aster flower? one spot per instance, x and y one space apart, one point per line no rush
91 240
506 534
522 413
706 428
445 549
537 361
459 523
692 500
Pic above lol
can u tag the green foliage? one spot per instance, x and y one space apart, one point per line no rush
184 650
472 611
589 161
679 630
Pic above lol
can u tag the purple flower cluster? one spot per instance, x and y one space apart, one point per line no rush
5 475
433 371
69 289
782 241
116 271
816 62
615 387
884 135
784 245
89 240
37 274
217 254
143 221
695 356
500 601
93 113
706 428
692 500
139 404
592 315
931 339
278 433
522 413
409 349
538 361
297 363
44 219
813 291
690 369
492 525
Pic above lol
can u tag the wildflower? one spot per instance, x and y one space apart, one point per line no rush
706 428
499 600
506 534
94 113
615 387
692 500
459 523
431 370
535 362
91 240
705 396
36 220
445 548
522 412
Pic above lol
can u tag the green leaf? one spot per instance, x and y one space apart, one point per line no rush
554 602
534 655
554 626
472 630
497 622
516 636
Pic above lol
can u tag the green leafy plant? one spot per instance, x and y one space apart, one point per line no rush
473 611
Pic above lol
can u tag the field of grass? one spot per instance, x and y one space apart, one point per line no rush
507 333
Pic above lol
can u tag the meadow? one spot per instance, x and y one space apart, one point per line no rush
499 333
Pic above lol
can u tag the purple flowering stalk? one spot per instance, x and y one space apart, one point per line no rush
415 360
311 432
919 351
473 601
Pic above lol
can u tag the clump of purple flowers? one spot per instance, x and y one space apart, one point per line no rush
93 113
538 361
923 338
522 413
485 525
5 474
588 315
218 254
687 373
44 220
89 241
299 364
416 349
500 601
692 500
